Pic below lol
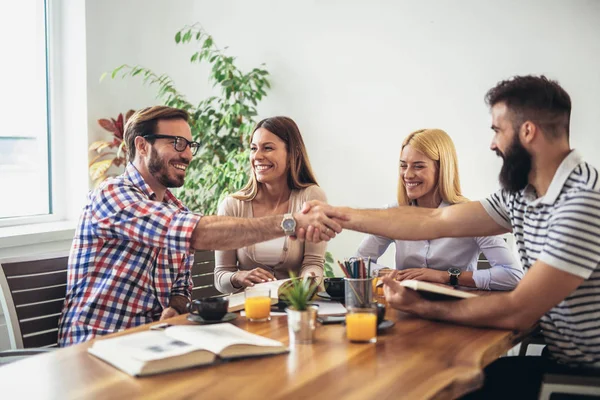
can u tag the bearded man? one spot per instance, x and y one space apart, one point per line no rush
550 201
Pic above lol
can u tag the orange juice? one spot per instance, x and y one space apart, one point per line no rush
361 326
258 308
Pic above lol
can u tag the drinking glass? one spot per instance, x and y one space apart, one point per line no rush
257 304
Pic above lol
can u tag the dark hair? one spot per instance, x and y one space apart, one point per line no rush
534 98
144 122
300 173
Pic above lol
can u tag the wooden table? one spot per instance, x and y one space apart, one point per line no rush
416 359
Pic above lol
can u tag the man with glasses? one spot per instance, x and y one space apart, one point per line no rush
133 249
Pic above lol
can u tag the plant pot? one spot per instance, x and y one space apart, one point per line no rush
302 325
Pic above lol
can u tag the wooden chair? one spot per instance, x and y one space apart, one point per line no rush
203 275
32 292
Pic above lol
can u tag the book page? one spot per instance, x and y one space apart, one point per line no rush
146 346
217 337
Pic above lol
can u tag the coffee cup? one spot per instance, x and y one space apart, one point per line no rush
380 313
209 308
335 287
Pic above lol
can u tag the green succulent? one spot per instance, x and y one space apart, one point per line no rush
298 292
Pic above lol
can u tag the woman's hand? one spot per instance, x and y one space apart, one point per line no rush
424 274
249 278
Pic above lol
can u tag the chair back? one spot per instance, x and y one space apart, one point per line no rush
482 262
203 275
32 293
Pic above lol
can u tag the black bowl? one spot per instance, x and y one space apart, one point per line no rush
209 308
335 287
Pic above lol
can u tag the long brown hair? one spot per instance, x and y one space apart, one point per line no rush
438 146
300 174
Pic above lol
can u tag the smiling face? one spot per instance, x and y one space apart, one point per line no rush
419 175
268 157
167 165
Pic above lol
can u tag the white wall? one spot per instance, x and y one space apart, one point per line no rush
358 76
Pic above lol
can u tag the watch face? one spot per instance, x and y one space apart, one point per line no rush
288 224
454 271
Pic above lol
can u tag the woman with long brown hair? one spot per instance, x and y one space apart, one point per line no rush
281 180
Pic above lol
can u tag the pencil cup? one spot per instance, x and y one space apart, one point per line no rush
358 292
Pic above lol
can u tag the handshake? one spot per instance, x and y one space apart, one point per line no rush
318 221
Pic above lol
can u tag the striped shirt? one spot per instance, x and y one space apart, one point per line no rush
562 229
130 254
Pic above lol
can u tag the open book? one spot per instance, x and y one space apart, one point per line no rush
183 346
434 291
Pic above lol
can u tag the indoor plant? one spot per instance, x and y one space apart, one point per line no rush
301 315
222 123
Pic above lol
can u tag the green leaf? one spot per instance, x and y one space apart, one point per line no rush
116 70
178 37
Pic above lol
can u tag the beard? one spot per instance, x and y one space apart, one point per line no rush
514 175
160 170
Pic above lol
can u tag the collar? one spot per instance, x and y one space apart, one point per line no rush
132 173
558 181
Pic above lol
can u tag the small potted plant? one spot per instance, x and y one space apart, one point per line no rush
301 315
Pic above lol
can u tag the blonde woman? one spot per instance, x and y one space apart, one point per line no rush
429 178
281 180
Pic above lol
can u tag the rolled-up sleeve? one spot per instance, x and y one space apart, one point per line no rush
123 212
505 272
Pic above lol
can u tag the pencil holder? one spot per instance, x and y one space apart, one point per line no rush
358 292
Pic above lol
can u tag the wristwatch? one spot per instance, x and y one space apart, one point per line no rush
288 224
454 274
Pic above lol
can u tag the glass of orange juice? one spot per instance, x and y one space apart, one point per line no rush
257 304
361 324
378 293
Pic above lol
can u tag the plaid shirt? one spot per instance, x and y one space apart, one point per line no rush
130 254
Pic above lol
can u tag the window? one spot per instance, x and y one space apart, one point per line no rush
25 172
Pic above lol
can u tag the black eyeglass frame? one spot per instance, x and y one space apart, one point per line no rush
194 146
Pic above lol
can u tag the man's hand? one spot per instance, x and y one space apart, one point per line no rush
424 274
249 278
168 312
398 296
318 221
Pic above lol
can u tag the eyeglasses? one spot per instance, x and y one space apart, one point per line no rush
179 143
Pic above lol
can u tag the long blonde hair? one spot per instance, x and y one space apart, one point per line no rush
438 146
300 174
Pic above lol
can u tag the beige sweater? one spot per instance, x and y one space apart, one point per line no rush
300 257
